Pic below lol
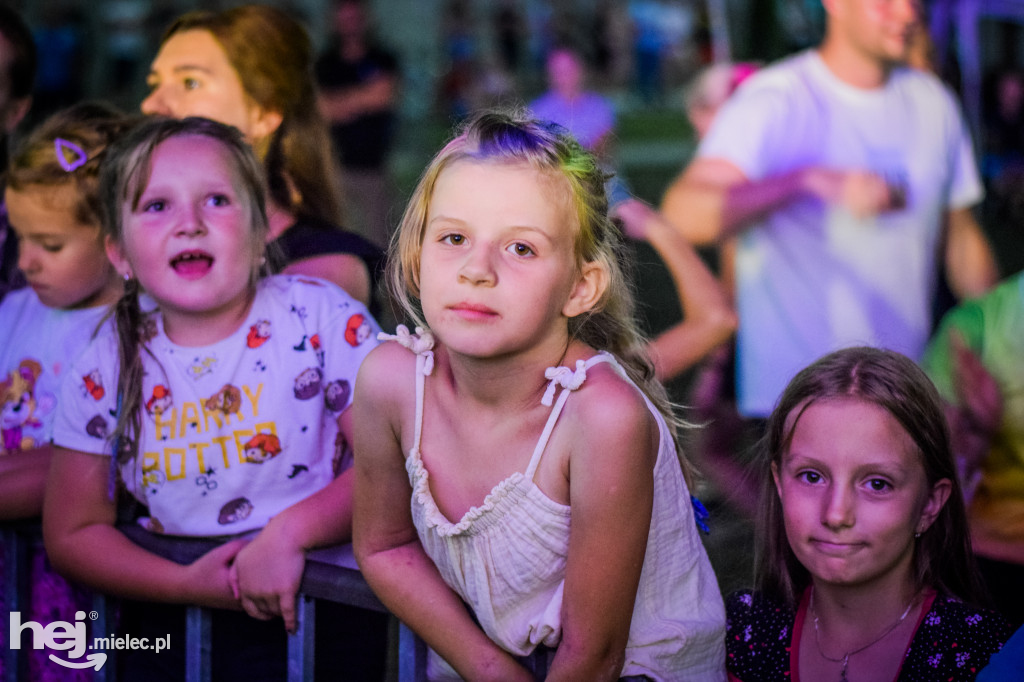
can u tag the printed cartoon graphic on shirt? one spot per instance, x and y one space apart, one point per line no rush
258 334
307 384
337 394
94 384
357 330
200 367
261 447
160 400
207 481
227 401
314 342
21 406
234 511
97 427
206 439
222 431
153 480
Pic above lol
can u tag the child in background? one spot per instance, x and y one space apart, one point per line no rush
53 206
52 199
864 554
230 399
507 250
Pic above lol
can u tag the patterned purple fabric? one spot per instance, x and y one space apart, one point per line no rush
953 642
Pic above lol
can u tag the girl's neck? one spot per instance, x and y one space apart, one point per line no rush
855 613
515 380
194 329
853 67
105 296
280 220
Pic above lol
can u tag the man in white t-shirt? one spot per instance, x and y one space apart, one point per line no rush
844 173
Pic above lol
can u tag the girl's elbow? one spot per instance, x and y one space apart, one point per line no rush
59 553
368 555
592 660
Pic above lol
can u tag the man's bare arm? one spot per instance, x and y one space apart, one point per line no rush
713 199
970 265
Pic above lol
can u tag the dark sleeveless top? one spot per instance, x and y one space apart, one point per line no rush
309 237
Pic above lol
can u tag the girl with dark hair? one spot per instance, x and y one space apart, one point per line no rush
864 568
53 202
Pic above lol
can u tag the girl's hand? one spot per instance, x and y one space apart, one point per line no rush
266 576
976 389
978 416
207 579
636 217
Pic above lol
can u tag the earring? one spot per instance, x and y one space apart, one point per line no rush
917 535
127 277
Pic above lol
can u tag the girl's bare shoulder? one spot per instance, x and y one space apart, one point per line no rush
388 375
609 408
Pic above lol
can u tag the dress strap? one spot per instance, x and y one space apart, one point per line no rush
421 342
569 380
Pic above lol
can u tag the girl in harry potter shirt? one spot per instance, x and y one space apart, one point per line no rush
224 410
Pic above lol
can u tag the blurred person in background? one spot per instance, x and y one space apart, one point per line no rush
844 173
17 74
358 81
588 115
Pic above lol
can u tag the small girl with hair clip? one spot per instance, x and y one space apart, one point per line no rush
863 558
525 428
218 437
53 205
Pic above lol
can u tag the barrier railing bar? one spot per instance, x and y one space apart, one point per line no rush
329 574
16 538
198 629
412 656
101 627
302 645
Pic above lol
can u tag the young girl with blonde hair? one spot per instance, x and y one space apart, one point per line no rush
53 206
528 404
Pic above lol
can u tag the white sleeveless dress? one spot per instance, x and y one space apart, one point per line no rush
506 558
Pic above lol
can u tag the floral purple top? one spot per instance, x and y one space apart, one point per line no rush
953 641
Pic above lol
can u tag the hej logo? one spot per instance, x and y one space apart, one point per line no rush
59 635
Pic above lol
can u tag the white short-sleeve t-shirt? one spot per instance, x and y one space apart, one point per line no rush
811 277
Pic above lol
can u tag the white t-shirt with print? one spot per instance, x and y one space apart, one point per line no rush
233 432
37 345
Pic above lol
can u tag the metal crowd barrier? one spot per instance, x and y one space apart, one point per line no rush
331 574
